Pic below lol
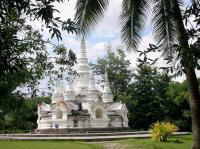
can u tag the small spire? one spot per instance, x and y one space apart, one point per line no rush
57 95
69 84
92 81
106 83
92 91
107 94
106 77
69 92
58 86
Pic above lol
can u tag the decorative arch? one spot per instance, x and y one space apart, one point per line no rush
99 113
58 114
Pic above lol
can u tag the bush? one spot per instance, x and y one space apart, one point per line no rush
162 130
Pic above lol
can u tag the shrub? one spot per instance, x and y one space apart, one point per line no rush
162 130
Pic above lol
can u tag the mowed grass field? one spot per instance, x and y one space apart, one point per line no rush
175 142
47 145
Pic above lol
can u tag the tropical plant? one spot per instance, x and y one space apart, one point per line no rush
170 33
161 131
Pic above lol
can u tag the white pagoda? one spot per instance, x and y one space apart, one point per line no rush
82 106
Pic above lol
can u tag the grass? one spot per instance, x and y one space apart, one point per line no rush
47 145
175 142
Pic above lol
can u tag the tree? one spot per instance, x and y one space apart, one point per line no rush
23 50
23 64
23 56
118 69
147 94
148 91
189 70
24 117
43 10
131 88
170 33
179 109
24 59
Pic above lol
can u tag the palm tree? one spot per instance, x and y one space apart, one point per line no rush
168 30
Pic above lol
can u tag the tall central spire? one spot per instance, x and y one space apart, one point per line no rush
82 53
82 70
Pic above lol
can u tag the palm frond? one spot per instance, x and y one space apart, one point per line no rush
132 21
164 29
88 13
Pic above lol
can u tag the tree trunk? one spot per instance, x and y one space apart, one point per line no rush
189 69
194 106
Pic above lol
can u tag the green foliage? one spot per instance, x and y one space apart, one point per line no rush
148 103
24 60
150 96
161 131
88 13
164 29
43 10
118 69
179 111
8 100
22 117
132 18
27 56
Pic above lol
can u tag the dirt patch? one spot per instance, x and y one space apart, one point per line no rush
111 145
114 145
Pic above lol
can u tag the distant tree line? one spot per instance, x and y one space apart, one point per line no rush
22 118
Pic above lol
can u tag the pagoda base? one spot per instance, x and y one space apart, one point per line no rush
80 130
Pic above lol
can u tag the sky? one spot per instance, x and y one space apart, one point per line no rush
107 32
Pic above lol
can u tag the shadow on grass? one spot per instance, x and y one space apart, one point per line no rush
176 141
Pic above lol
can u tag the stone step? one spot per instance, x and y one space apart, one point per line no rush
82 130
77 134
79 138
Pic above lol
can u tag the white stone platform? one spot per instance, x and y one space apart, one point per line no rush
108 136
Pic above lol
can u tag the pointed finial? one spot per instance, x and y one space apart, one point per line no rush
82 38
83 47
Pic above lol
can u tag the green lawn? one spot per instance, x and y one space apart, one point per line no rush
46 145
176 142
